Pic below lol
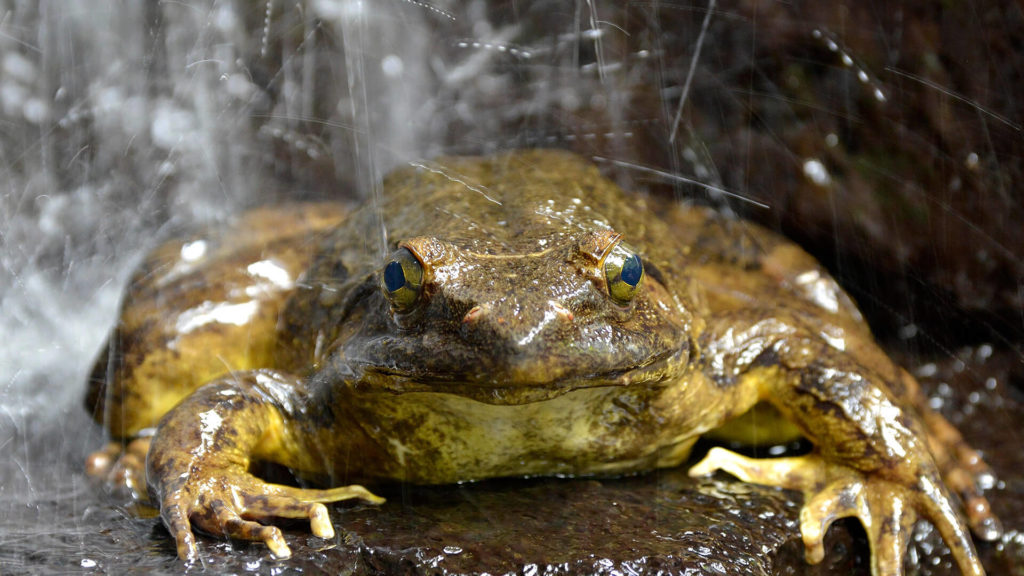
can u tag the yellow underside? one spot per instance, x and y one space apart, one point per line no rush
762 425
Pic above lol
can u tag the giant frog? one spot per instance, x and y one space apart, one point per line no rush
510 315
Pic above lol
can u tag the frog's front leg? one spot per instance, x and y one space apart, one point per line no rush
872 457
198 463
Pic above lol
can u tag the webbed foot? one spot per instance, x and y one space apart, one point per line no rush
887 509
238 505
962 468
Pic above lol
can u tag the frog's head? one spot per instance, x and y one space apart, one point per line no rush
520 323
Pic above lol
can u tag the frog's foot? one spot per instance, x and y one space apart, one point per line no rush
237 504
887 509
963 471
121 467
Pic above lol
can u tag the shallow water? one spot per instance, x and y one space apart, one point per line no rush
888 140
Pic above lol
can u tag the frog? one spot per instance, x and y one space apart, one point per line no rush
511 315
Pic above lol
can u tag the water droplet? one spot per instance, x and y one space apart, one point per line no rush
392 66
193 251
984 352
35 111
817 173
909 331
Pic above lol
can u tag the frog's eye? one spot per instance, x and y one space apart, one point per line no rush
624 271
402 279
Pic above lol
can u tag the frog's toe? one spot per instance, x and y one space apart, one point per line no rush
121 467
888 509
887 516
980 518
964 472
234 526
837 500
795 473
804 473
175 517
287 502
241 506
100 462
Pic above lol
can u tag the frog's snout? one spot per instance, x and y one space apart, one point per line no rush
513 326
480 311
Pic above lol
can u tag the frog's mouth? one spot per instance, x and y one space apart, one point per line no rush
520 383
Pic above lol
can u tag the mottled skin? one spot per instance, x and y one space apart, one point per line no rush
513 359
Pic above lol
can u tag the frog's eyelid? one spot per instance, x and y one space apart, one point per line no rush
596 246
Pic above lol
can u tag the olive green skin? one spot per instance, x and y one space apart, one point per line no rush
514 358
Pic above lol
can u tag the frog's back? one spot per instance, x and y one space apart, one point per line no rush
507 202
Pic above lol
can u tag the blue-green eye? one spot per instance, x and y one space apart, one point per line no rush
402 279
624 271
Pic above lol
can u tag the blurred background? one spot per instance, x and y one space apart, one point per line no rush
887 137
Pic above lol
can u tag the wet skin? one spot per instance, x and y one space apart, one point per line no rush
527 317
